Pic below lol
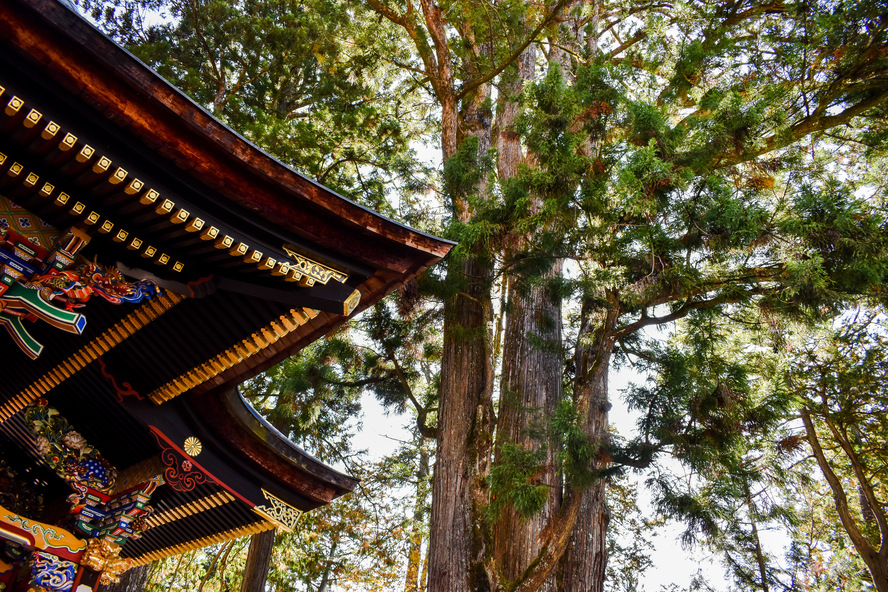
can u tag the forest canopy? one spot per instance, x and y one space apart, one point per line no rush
693 192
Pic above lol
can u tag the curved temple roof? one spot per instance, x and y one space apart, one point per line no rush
255 261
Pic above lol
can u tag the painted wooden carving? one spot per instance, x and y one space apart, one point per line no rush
40 284
22 259
66 451
107 520
57 555
52 573
16 329
8 572
39 234
115 518
36 535
182 473
74 287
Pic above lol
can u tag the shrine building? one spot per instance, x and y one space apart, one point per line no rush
151 260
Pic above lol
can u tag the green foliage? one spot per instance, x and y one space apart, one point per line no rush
719 404
514 482
630 538
841 377
719 163
754 477
400 362
576 452
312 397
309 82
215 568
820 555
354 543
515 477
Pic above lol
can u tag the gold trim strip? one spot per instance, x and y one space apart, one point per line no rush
303 270
94 217
221 537
109 339
195 507
232 356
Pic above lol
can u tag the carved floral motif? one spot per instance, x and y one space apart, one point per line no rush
66 451
279 512
181 473
192 446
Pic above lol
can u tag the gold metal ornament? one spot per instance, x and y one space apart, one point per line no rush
192 446
104 556
279 512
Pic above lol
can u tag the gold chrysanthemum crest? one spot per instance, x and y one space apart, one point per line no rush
192 446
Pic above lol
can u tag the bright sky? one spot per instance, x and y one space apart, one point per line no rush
672 564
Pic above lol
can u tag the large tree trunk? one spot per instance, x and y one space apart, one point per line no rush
463 435
415 577
584 562
531 377
583 567
258 560
465 411
530 393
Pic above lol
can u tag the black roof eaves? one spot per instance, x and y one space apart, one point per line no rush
81 21
244 412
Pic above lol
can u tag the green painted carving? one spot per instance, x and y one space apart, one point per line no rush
66 451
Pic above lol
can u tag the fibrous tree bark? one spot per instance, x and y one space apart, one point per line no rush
583 565
415 578
258 561
531 373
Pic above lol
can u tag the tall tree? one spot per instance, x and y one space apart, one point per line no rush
723 411
662 151
310 82
258 561
687 123
843 385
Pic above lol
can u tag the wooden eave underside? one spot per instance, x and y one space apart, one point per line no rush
184 521
163 232
148 109
167 228
186 352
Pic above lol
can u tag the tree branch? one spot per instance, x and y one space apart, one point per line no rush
858 471
841 500
808 125
682 311
473 84
625 45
